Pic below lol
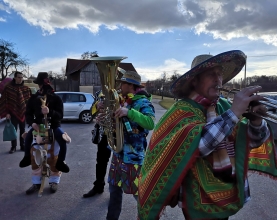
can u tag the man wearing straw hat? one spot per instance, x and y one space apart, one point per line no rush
125 165
200 150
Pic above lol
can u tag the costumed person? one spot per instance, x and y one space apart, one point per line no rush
13 106
37 161
200 150
125 165
103 152
35 116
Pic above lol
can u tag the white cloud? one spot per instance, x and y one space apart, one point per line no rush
258 66
206 45
53 64
2 19
170 66
223 19
4 8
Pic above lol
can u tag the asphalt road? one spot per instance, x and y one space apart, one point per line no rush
68 204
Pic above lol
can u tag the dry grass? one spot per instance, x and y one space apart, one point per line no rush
166 102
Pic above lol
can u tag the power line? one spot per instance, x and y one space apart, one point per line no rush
264 56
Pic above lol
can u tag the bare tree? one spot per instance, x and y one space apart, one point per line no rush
88 55
175 76
9 59
63 76
59 80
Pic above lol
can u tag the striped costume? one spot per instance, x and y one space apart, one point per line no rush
173 162
14 99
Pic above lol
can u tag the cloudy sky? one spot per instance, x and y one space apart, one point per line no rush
157 36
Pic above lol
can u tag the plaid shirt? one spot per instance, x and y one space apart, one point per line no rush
221 127
217 130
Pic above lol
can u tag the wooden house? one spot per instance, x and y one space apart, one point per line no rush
83 75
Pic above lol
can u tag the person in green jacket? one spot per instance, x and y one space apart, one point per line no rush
137 110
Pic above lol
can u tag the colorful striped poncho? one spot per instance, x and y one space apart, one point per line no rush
173 159
14 99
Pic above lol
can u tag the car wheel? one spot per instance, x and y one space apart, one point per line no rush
85 117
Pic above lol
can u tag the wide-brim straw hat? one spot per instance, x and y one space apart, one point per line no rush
131 77
231 62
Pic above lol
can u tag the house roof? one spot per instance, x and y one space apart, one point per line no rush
75 65
127 66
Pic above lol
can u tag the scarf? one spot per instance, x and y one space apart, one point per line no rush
222 158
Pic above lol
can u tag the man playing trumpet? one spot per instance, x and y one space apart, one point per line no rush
198 155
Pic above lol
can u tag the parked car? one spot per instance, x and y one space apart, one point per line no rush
33 90
77 105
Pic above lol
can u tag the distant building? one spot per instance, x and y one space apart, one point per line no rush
143 83
83 75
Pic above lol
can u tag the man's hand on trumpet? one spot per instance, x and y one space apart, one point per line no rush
44 110
100 105
259 109
242 100
120 112
100 117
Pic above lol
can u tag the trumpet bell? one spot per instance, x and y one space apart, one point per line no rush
270 103
113 127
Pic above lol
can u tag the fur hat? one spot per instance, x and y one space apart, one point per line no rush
231 62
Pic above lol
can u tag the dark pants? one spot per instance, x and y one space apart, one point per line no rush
58 137
17 123
115 203
102 160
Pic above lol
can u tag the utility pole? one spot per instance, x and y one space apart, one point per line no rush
162 91
245 72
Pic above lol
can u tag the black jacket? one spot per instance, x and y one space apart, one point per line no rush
53 102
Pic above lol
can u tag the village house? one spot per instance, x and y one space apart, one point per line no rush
83 75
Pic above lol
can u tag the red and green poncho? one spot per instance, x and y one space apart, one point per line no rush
173 157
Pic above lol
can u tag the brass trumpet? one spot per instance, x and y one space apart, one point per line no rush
269 102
